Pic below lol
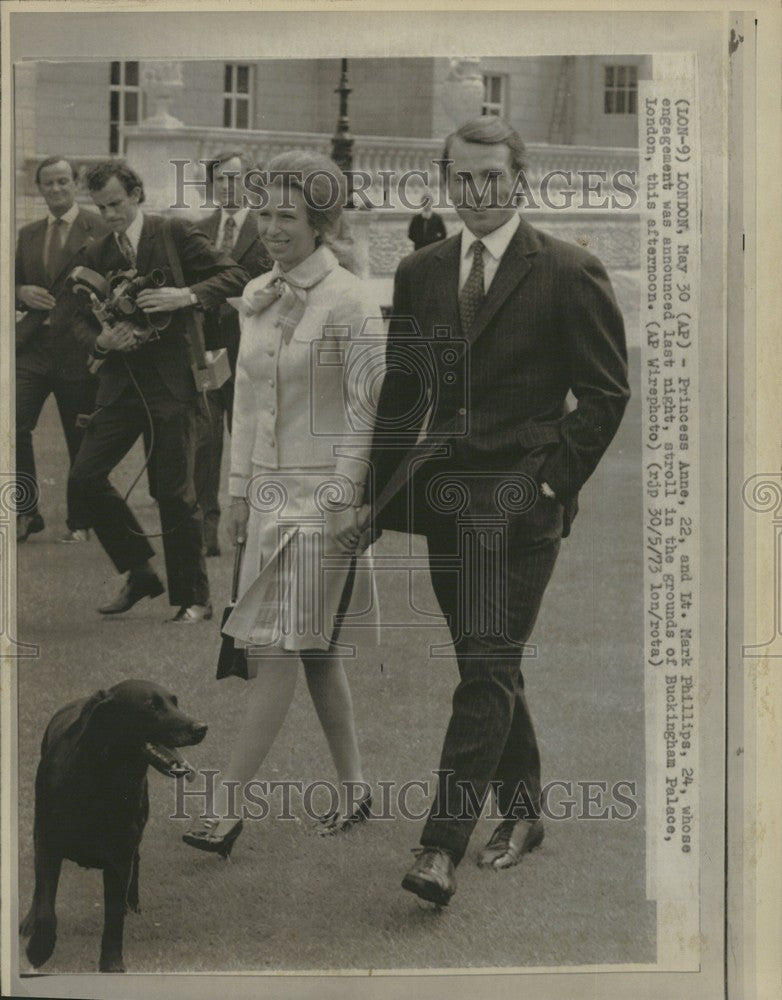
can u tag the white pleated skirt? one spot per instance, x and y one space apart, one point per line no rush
295 592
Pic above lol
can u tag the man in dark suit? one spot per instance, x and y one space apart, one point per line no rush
146 386
233 229
494 484
48 357
426 227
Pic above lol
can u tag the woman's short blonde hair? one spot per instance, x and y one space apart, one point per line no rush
320 181
324 187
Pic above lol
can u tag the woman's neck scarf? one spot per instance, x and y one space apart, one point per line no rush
289 287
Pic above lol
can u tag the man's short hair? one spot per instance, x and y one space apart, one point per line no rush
50 161
99 175
489 130
223 156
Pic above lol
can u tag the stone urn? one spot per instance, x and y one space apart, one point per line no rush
462 94
161 82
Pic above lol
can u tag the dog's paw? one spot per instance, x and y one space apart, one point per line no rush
132 907
40 946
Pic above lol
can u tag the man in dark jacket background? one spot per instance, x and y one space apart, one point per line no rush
49 359
427 226
233 229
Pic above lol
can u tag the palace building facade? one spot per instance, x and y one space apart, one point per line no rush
576 114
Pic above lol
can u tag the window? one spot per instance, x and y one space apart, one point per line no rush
494 95
124 101
237 96
620 95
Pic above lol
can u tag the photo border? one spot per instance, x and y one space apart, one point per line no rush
753 694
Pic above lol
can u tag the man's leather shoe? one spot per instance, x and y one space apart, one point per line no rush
509 842
28 524
195 613
432 877
136 586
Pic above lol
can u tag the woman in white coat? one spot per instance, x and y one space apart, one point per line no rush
311 360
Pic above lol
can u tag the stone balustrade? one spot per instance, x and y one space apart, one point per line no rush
380 237
150 149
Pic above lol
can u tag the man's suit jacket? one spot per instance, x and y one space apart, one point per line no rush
52 347
548 325
249 251
212 276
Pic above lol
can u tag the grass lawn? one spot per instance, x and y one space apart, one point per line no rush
290 900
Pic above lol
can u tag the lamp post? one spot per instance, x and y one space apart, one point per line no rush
342 140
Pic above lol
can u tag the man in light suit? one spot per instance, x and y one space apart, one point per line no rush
233 229
49 359
494 484
146 387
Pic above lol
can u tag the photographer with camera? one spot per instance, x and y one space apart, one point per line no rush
146 385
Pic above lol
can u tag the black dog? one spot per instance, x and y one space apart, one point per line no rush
92 802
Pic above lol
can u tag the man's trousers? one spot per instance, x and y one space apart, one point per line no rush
168 429
73 397
489 577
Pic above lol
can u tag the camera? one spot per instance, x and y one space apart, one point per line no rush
434 371
113 298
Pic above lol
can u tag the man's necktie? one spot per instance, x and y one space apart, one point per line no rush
127 248
54 248
471 295
229 234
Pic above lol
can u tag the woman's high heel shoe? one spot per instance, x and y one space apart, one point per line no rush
333 823
205 839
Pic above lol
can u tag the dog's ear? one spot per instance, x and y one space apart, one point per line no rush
93 727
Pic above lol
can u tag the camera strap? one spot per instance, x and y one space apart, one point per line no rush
193 321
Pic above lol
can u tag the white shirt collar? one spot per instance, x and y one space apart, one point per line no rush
495 242
68 217
133 232
238 216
